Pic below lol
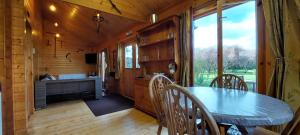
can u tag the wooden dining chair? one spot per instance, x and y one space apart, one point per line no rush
229 81
156 87
292 128
182 109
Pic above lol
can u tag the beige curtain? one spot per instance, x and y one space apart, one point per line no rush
119 61
283 27
185 43
107 70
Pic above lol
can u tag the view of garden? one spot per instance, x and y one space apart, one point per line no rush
239 45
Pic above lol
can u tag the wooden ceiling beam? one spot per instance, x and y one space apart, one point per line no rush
128 11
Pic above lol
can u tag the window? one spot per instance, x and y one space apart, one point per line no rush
103 65
128 56
239 42
137 65
205 50
239 45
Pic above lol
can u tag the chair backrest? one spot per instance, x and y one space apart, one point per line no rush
156 87
293 127
229 81
182 110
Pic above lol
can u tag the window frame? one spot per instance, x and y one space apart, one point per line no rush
261 43
132 60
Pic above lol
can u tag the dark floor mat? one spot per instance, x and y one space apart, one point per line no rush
109 104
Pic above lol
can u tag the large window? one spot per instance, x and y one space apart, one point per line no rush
128 56
239 45
205 50
239 42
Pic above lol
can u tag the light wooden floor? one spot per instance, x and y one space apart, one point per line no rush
74 117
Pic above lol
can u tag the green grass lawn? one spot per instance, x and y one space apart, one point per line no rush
204 79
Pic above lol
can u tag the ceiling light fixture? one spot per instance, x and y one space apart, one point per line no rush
56 24
57 35
98 19
52 8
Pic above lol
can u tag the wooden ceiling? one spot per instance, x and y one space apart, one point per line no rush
76 17
134 9
77 20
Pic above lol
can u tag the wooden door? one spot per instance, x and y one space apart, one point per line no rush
129 70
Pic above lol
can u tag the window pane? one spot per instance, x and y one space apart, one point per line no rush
128 56
239 42
205 50
137 65
103 66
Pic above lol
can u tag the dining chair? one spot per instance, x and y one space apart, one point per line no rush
182 110
229 81
156 87
292 128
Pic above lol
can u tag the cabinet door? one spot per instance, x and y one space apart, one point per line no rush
142 99
139 96
54 89
87 86
147 101
71 88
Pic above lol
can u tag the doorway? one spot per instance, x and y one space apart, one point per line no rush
129 69
102 69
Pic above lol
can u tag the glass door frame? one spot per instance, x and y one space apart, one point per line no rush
219 9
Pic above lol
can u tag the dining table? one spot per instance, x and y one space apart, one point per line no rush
243 108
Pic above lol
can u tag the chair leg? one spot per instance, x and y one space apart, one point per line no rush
159 129
222 130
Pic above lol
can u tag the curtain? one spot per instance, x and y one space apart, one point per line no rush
119 61
99 64
283 27
185 43
106 53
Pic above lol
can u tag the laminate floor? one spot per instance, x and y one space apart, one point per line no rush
75 118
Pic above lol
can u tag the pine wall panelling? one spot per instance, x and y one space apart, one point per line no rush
53 57
33 39
14 92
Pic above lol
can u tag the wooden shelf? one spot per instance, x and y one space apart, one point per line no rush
160 60
157 42
169 20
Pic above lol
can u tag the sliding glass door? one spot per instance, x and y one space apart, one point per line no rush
239 45
205 50
239 42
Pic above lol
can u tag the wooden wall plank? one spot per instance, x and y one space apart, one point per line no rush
14 100
54 62
7 93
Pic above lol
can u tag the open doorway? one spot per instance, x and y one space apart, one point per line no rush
103 69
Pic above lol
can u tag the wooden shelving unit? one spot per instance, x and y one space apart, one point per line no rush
158 42
158 47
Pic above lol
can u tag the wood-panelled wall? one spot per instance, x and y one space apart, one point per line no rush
33 7
17 62
1 40
33 38
13 93
65 55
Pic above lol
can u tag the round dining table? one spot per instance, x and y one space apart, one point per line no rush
243 108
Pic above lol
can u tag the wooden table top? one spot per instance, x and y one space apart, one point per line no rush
242 107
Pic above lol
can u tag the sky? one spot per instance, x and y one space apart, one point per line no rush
239 28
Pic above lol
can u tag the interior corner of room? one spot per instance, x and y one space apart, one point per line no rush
89 67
